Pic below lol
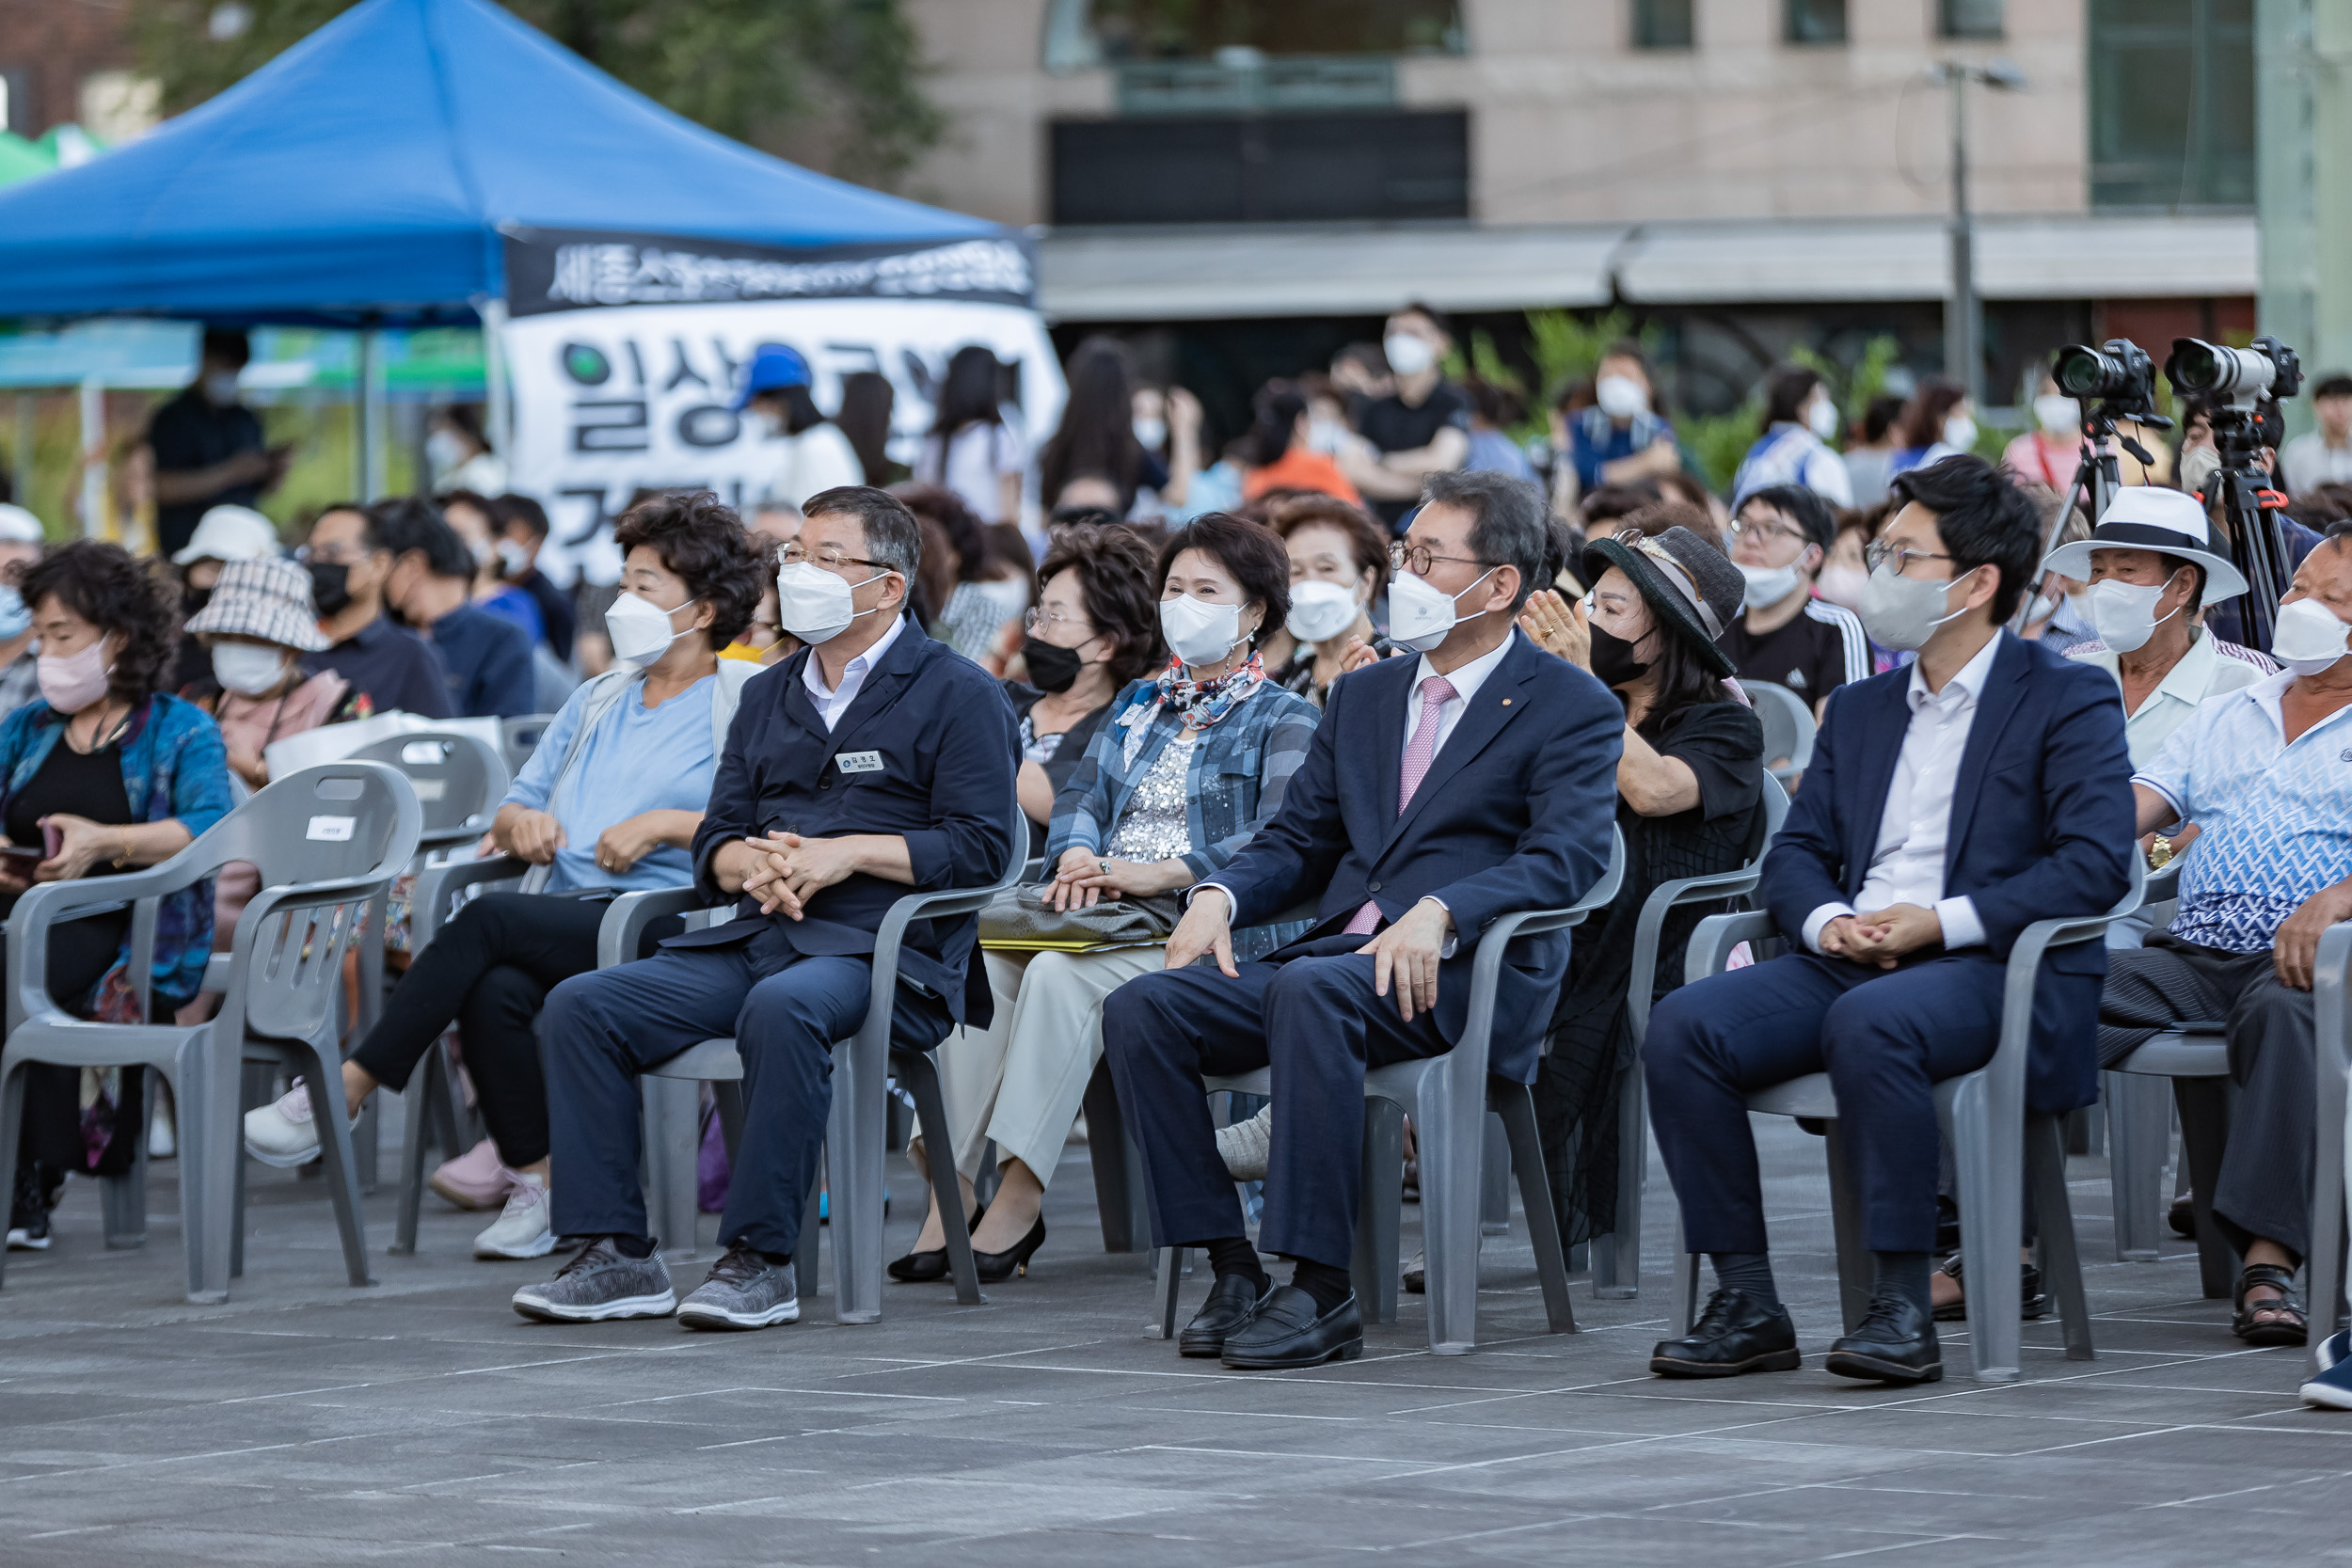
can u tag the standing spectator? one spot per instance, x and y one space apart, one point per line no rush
1491 449
979 592
20 547
867 400
208 446
1865 460
1939 422
1421 427
1799 417
522 529
460 453
1097 436
485 660
1279 457
812 452
470 517
2322 456
123 775
2048 453
392 671
1168 424
971 450
1782 535
1620 438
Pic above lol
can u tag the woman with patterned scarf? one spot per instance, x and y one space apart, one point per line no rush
1185 769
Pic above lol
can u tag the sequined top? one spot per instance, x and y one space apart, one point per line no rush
1154 826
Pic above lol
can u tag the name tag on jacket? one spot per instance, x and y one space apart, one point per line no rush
859 762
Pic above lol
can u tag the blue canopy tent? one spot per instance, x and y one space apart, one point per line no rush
366 175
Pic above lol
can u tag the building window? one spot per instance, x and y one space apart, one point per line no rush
1262 168
1969 19
1083 35
1816 20
1662 24
2171 102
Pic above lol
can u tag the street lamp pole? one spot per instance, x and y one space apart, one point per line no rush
1963 311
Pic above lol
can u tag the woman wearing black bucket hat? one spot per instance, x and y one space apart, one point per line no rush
1689 801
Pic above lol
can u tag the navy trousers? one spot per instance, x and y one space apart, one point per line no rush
605 1028
1885 1037
1318 1023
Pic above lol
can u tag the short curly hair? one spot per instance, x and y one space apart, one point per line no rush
105 586
1122 595
1366 539
703 542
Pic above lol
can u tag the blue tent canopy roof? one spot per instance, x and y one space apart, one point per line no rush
365 175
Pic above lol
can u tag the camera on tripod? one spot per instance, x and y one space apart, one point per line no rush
2119 373
2237 378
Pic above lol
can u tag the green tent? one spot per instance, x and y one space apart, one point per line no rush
20 159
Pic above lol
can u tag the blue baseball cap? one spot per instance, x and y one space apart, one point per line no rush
773 368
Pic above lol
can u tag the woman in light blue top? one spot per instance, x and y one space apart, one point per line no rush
608 803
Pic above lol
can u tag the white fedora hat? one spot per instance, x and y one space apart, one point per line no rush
2147 518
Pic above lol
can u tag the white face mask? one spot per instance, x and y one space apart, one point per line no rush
1821 416
641 630
248 669
1904 612
2198 465
1842 585
1200 632
514 557
220 387
1407 354
444 450
1960 433
814 605
1620 397
2125 613
1152 434
2057 413
1767 585
1320 611
2308 638
771 425
1419 615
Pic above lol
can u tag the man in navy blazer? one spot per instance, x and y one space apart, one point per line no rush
873 762
1947 807
1441 792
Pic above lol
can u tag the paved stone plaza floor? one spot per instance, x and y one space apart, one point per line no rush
422 1422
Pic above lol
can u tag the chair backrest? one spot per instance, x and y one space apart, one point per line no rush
1775 810
459 778
1788 727
521 736
336 820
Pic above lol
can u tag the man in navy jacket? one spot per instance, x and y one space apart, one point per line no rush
1947 807
873 762
1441 792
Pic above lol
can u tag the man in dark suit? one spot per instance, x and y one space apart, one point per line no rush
1946 808
1441 792
874 761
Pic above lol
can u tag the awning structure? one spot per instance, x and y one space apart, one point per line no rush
1180 274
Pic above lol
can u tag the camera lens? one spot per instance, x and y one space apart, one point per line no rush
2083 374
2208 370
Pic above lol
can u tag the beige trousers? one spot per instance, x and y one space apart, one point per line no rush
1021 1080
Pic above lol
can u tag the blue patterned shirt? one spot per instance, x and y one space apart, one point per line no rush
2274 819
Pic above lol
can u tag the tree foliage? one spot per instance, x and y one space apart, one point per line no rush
832 84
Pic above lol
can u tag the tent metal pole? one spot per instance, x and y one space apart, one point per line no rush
363 429
21 455
93 458
498 421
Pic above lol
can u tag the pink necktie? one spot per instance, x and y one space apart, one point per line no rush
1435 694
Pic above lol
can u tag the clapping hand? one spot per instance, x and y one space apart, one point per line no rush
1558 625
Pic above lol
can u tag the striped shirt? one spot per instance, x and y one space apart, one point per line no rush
1820 648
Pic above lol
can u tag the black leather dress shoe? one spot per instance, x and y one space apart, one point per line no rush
1736 1333
1234 1302
1287 1333
1894 1343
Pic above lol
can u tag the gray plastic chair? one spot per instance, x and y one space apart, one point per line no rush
1998 1145
1617 1258
857 1129
328 840
521 736
1449 1097
460 780
2331 1175
1788 727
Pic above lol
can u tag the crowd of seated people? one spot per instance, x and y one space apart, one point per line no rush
1285 735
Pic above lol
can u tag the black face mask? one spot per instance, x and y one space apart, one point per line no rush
330 586
1052 668
194 599
1613 663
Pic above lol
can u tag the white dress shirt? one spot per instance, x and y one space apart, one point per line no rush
2203 672
1907 866
831 703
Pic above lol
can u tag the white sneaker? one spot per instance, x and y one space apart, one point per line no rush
1246 1146
522 1229
284 1133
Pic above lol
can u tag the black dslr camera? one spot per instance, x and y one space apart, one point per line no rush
2118 374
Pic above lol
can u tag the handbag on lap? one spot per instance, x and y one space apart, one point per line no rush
1024 919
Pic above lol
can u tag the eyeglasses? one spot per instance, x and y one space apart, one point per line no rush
1418 558
1878 553
1036 620
829 557
1770 532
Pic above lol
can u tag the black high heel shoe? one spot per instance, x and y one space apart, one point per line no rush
993 1267
920 1267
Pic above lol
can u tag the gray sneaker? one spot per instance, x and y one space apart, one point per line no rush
744 1290
599 1285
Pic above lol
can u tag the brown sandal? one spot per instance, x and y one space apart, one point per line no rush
2243 1321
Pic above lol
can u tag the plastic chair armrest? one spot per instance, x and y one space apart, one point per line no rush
1712 943
441 882
1650 930
2007 1071
623 929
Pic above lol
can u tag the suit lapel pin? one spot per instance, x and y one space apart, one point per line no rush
1506 702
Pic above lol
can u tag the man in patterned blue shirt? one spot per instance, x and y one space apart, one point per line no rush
2265 774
